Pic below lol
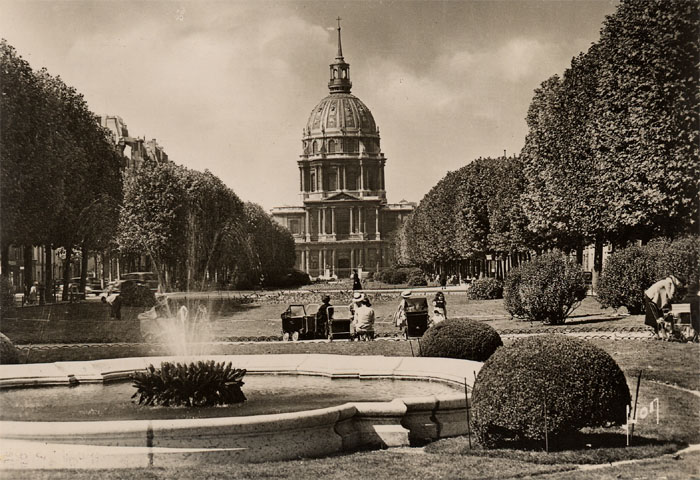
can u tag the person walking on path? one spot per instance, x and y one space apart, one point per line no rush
322 316
356 285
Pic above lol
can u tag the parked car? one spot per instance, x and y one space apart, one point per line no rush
148 278
92 285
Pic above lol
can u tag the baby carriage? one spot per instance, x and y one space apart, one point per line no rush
339 322
415 311
299 322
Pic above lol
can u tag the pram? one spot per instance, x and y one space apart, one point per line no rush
339 322
299 322
416 321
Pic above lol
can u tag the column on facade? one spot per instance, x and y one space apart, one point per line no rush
381 177
320 231
306 260
352 258
345 179
376 222
320 261
333 230
360 218
324 219
320 178
352 226
362 175
333 261
307 224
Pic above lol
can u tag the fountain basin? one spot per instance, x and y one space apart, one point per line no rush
311 433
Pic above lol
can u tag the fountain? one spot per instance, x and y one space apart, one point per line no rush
334 421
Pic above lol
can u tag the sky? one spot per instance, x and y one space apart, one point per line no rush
228 85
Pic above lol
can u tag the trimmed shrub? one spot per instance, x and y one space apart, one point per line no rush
8 352
551 287
630 271
7 296
511 293
293 278
577 384
485 289
460 338
627 273
197 384
134 294
396 276
416 278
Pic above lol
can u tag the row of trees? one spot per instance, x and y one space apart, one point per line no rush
62 185
611 155
196 230
60 180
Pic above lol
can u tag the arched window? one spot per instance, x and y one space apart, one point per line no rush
315 147
335 74
331 146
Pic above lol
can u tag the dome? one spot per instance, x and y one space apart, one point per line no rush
341 113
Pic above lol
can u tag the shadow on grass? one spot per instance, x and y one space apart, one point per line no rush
591 320
583 448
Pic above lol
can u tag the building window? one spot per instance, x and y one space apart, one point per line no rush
295 226
312 183
315 147
331 146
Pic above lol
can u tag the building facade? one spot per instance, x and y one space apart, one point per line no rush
345 222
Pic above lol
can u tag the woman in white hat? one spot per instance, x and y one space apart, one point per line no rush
400 315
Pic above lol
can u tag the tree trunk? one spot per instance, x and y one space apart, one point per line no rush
66 273
83 269
28 268
49 287
5 261
579 254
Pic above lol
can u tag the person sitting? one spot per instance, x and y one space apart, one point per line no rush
657 304
437 317
115 303
364 320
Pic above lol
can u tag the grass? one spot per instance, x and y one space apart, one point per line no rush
663 363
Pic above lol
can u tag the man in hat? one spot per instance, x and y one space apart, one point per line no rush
364 320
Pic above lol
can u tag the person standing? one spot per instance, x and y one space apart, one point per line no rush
439 303
356 285
322 320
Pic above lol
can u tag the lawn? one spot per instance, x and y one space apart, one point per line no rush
668 369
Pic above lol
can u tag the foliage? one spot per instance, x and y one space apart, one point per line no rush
197 384
468 213
8 352
511 293
485 289
135 294
574 382
399 275
460 338
416 278
293 278
630 271
612 151
551 287
7 296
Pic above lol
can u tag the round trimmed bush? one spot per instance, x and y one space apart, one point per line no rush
416 278
551 287
485 289
511 293
460 338
578 384
8 352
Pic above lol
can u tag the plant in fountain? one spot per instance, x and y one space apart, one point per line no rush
196 384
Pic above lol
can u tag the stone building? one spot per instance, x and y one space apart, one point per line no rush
345 222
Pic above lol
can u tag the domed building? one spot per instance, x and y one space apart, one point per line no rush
345 222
